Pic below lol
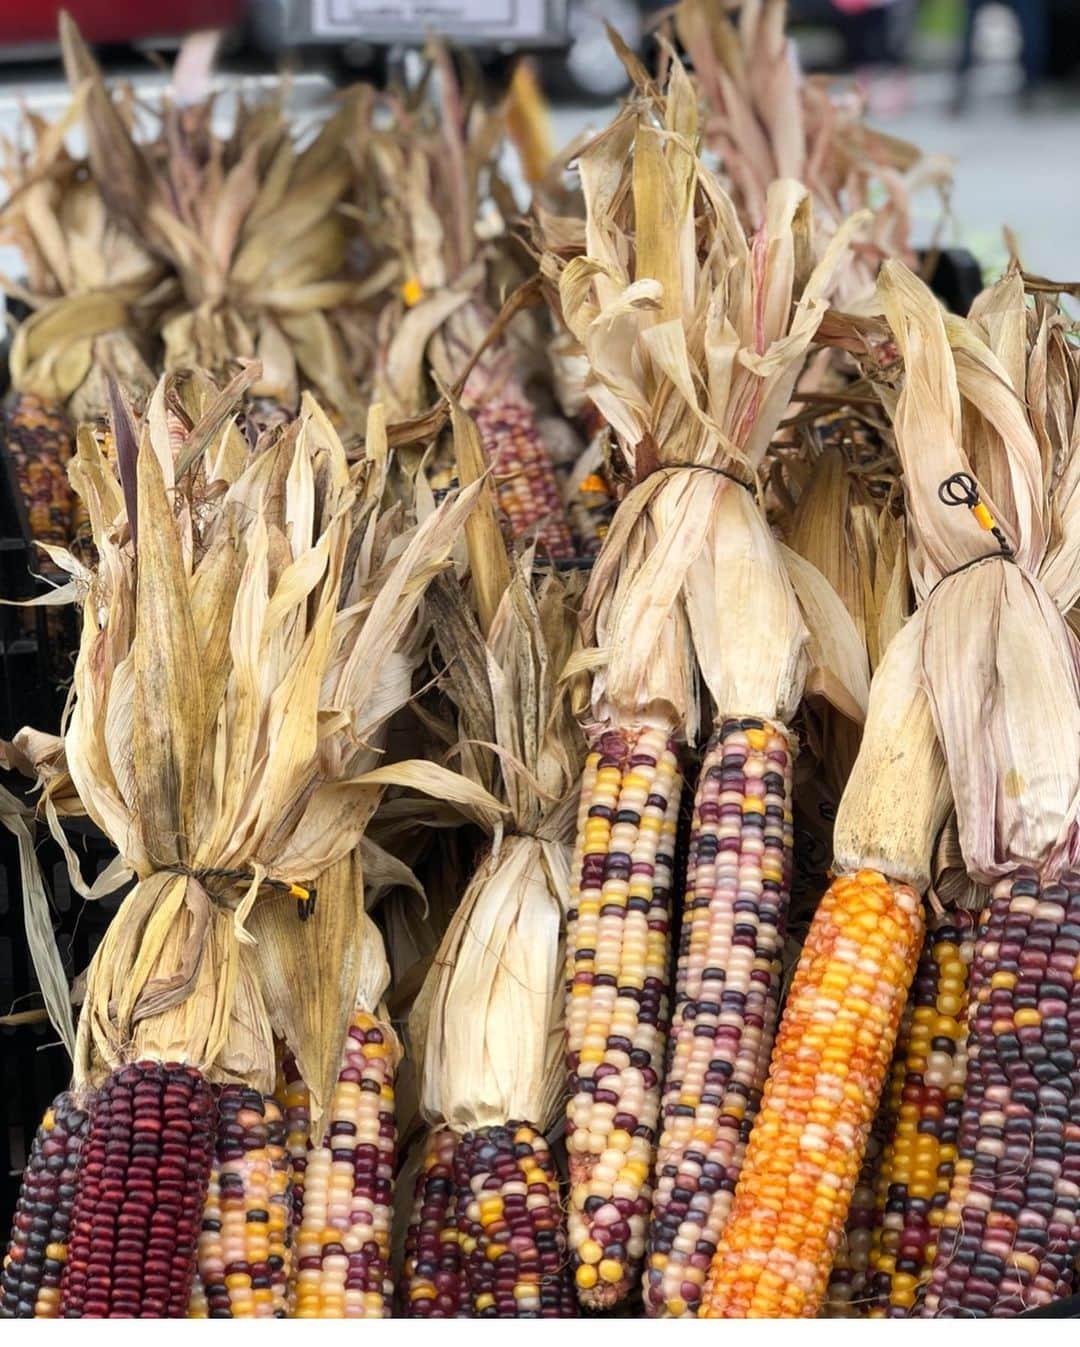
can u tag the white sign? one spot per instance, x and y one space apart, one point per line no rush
488 19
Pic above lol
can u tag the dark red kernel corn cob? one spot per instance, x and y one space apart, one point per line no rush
433 1286
140 1195
510 1226
38 1248
243 1252
1011 1231
726 991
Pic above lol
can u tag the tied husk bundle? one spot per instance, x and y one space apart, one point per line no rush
250 225
92 288
247 633
695 337
995 396
764 120
487 1026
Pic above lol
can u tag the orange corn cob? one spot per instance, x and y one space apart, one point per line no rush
825 1080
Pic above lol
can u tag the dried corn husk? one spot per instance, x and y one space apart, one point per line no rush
999 663
244 641
695 339
487 1025
250 223
765 121
93 289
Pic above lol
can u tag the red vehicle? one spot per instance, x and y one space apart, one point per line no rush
28 27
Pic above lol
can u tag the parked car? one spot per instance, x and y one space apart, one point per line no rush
28 29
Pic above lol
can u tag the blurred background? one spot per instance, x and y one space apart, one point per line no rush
993 83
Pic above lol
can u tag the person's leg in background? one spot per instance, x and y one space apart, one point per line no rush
1035 36
966 58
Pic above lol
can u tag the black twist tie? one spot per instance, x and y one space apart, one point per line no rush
305 895
960 489
706 467
974 561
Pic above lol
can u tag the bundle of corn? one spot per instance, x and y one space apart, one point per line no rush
987 419
434 178
247 612
695 338
488 1023
765 121
41 1229
91 290
250 225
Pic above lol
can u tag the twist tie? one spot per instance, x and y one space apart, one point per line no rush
707 467
960 489
305 896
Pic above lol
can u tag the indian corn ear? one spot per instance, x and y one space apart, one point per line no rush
41 1227
616 973
825 1080
433 1285
927 1092
242 1261
140 1195
726 999
509 1225
343 1241
1010 1235
38 441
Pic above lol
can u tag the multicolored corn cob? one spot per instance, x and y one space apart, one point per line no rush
38 1248
847 1295
727 989
433 1285
590 506
1010 1235
926 1095
140 1195
38 440
295 1102
343 1242
242 1267
617 971
825 1079
524 477
510 1226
